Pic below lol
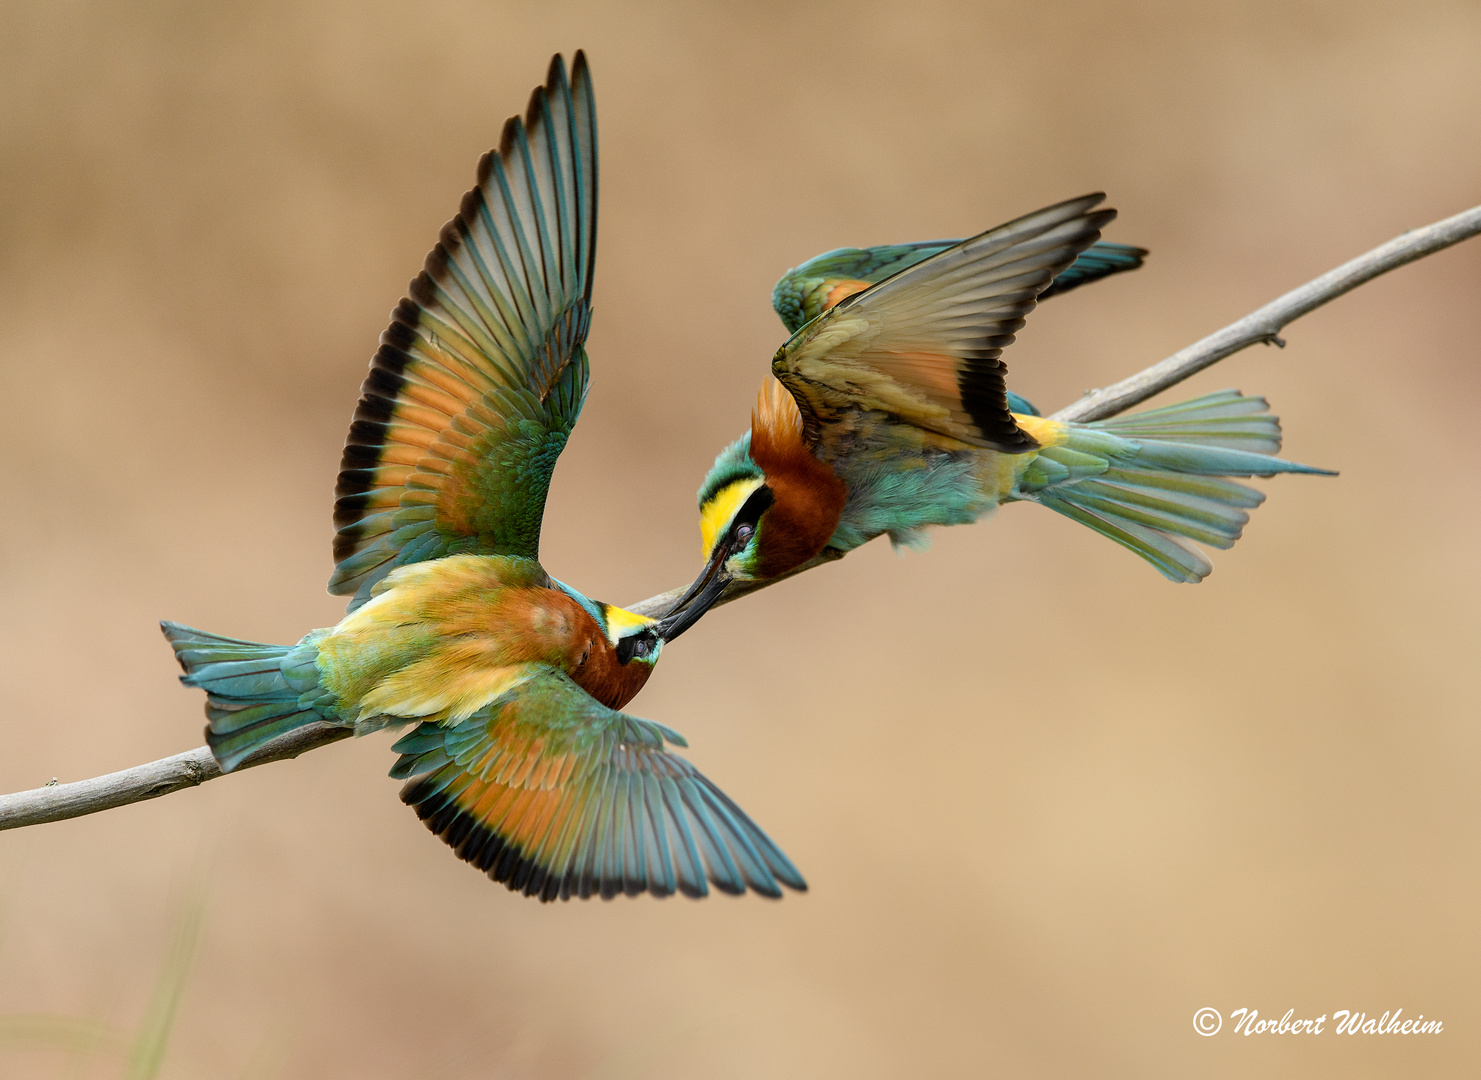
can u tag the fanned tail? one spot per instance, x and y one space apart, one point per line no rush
254 692
1153 481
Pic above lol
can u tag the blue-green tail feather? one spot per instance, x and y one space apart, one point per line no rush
254 692
1153 480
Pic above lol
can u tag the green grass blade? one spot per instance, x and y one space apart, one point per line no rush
147 1053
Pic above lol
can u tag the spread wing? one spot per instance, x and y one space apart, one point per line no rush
806 292
481 375
556 795
923 345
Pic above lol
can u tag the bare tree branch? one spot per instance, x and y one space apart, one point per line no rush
1265 325
57 801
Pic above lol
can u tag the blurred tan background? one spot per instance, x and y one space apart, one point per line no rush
1049 804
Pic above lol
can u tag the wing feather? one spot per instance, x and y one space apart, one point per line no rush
924 344
482 373
556 795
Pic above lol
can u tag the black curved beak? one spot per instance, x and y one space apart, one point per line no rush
699 597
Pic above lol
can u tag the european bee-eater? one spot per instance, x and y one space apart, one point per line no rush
888 413
519 759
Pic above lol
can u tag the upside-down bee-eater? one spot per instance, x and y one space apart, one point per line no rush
519 758
888 413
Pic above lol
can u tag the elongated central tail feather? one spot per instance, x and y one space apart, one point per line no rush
1153 480
254 692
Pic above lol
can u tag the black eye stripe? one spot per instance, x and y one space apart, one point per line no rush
638 646
752 509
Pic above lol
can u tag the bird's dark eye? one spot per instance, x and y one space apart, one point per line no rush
634 648
743 533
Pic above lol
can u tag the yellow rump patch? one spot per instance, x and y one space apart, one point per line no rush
622 623
716 514
1047 432
1001 473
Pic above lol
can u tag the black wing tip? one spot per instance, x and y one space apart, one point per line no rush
538 103
421 288
360 455
353 480
449 240
344 546
485 167
383 383
482 847
372 409
378 395
1017 442
399 336
982 386
510 135
406 313
472 202
506 862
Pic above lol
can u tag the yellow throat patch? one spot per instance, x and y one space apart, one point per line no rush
622 623
716 514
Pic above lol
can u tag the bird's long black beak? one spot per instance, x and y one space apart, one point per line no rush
699 597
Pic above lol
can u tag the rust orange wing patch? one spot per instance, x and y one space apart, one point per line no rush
482 373
841 290
557 796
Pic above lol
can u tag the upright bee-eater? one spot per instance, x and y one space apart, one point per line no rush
889 413
519 758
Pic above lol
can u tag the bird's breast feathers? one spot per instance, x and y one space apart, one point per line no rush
443 639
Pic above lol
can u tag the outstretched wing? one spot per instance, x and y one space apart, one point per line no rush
482 373
923 344
806 292
556 795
